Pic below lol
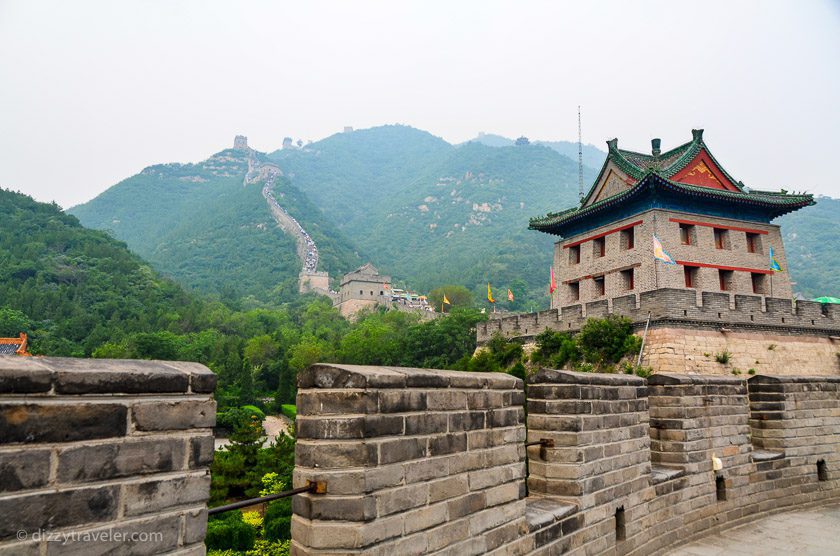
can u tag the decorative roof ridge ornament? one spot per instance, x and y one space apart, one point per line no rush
655 150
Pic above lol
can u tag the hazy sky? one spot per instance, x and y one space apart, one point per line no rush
92 92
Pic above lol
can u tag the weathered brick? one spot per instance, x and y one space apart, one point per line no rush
402 498
50 422
426 423
156 495
334 454
317 403
402 449
447 444
132 457
202 450
148 536
468 504
19 375
195 526
109 376
51 510
174 415
21 470
449 487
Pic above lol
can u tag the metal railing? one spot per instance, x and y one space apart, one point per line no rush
313 487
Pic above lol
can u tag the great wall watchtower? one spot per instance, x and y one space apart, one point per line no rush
720 283
240 143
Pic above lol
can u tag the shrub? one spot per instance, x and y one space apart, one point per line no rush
289 411
518 370
555 349
277 525
483 361
723 357
229 532
605 341
751 372
253 410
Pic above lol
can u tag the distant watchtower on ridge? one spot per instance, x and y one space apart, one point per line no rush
240 143
717 231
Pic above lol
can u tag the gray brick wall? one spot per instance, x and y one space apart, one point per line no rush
649 275
421 462
415 461
116 451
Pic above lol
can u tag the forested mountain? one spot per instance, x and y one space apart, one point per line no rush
424 211
812 246
72 288
199 224
430 213
592 155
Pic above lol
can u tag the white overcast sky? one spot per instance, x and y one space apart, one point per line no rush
92 92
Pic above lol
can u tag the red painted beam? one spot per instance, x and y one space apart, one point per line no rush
721 267
721 226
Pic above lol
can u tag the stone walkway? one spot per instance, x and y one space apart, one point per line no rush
813 532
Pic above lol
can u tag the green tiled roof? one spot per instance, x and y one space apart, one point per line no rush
667 164
777 203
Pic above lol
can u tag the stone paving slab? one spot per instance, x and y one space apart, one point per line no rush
814 532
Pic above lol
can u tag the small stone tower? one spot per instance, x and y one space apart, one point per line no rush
240 143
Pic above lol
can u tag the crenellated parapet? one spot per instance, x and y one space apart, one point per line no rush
688 327
422 461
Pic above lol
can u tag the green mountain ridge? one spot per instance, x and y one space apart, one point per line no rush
200 225
72 288
592 155
424 211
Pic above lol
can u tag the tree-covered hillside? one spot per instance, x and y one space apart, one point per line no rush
72 288
812 246
199 224
429 213
352 176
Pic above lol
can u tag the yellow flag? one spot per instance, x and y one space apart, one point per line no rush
445 300
490 294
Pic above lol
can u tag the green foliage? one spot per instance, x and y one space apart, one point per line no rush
278 520
73 289
811 247
272 484
458 296
228 531
289 411
723 357
555 350
198 224
605 341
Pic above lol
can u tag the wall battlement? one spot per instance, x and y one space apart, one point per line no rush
105 455
419 461
681 308
807 334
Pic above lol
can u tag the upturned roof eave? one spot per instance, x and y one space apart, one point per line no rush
782 203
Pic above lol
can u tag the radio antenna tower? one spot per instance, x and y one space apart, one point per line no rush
580 159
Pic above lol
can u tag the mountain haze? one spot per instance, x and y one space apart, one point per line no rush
424 211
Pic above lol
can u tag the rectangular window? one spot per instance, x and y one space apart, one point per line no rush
600 288
628 238
574 254
627 279
690 276
574 291
721 238
759 282
753 243
599 246
687 234
725 277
